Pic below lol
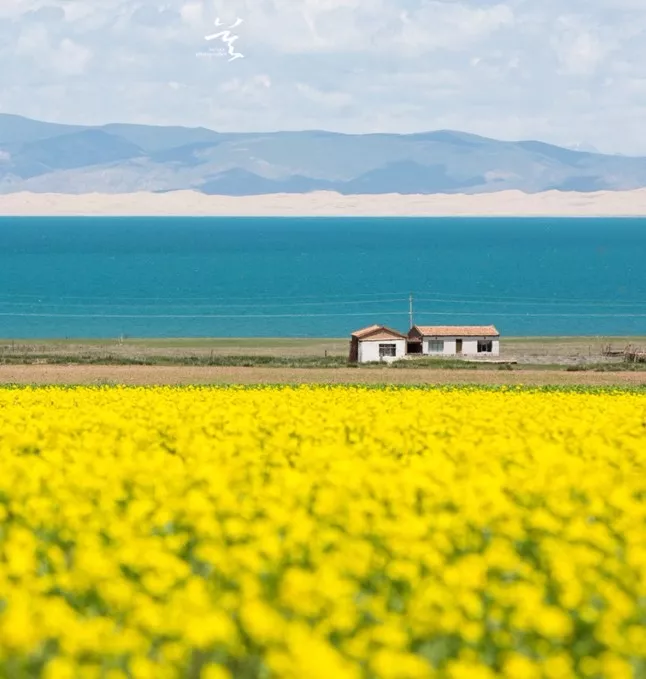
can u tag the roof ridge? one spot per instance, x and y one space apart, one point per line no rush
466 330
372 329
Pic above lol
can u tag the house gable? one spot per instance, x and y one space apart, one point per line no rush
375 333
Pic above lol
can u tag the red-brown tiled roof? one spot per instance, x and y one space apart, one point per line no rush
380 330
457 330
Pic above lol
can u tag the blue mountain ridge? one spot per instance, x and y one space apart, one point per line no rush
121 158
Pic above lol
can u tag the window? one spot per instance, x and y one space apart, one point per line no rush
436 347
485 346
387 350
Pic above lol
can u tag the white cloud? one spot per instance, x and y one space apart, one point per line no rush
70 58
329 99
580 47
15 8
582 55
505 68
36 46
245 87
31 40
192 14
451 26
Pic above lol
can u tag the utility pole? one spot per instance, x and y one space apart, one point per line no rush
410 310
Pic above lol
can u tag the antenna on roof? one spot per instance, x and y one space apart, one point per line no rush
410 310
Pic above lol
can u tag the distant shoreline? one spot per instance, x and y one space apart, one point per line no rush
329 204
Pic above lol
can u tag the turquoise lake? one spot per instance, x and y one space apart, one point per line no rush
304 277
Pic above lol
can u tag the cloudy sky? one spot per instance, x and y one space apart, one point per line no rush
565 71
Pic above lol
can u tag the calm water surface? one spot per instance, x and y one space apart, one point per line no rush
107 277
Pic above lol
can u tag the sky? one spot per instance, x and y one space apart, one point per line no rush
569 72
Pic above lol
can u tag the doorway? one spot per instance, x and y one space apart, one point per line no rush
458 347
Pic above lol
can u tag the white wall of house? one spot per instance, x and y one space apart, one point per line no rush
447 346
369 350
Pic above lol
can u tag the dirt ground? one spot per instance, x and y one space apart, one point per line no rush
175 375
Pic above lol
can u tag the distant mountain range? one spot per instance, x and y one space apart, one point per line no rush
120 158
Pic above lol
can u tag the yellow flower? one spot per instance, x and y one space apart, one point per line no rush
614 667
60 668
321 532
262 622
462 669
553 623
395 665
518 666
215 672
558 667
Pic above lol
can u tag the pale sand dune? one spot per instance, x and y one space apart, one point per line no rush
323 203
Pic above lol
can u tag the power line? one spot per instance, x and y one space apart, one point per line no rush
447 300
349 314
432 296
521 315
388 293
53 315
208 306
392 300
293 299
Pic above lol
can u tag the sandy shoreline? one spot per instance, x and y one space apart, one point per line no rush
323 203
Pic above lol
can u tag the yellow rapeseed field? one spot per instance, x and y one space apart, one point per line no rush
322 533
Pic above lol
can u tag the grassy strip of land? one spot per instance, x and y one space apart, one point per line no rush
200 343
575 354
445 387
175 360
330 362
310 344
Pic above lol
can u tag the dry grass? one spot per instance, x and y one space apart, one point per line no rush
526 351
180 348
148 375
541 361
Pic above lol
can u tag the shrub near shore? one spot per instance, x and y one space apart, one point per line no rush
322 532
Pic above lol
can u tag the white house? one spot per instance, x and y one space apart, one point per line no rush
454 340
377 343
